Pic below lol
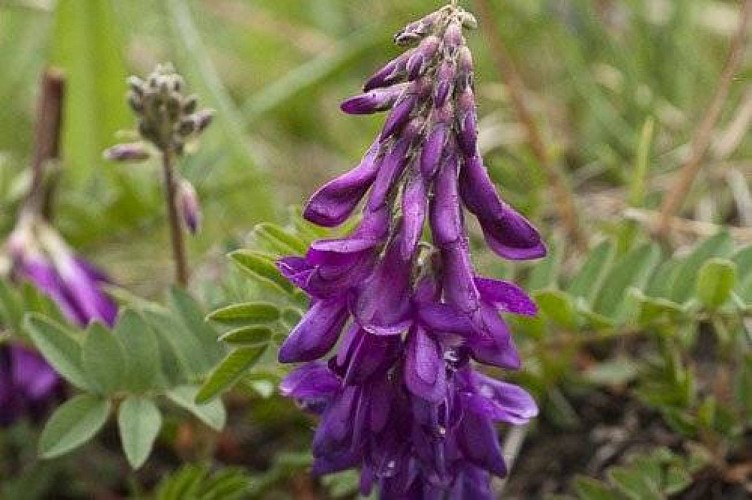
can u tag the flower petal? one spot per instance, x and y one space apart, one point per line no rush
316 333
507 296
425 374
310 381
507 232
480 444
333 203
414 202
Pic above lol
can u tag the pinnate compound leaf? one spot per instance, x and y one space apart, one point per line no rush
74 423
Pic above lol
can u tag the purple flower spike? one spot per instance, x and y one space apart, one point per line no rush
333 203
507 232
401 399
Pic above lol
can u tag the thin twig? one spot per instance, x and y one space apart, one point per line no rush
563 197
703 135
46 138
176 230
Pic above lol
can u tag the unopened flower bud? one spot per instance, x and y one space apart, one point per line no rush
391 73
189 206
376 100
453 38
422 57
468 20
415 31
400 114
467 122
445 76
464 68
203 119
135 151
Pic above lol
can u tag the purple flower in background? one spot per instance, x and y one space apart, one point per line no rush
401 399
28 385
38 255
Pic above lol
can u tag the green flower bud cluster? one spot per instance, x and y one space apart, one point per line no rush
167 118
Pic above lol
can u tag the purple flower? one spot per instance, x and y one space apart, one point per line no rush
507 232
403 442
400 397
189 205
28 385
39 255
376 100
333 203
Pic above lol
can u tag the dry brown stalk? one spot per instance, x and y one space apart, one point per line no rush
703 136
563 197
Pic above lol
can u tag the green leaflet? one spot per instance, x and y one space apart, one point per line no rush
139 421
74 423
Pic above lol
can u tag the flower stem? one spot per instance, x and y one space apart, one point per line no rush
703 135
562 193
46 139
176 230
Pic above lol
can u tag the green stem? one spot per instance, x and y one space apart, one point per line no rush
176 230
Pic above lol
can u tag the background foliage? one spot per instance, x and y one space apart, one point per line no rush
640 359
